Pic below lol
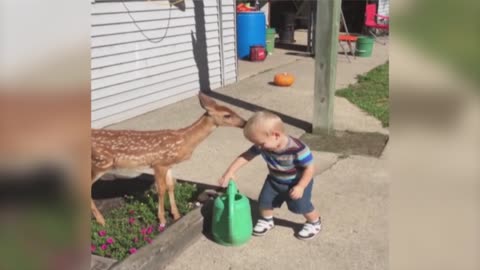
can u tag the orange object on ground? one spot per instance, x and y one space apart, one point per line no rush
283 79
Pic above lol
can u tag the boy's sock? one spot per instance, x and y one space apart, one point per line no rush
317 221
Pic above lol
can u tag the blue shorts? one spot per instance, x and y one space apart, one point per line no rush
274 193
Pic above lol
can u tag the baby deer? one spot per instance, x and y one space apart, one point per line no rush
156 149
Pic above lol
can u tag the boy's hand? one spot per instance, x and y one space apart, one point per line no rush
223 181
296 192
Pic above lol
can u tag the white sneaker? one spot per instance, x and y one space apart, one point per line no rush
263 226
309 231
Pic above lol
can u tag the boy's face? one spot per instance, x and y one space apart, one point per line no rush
270 142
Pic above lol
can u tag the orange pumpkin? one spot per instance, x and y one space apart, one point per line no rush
283 79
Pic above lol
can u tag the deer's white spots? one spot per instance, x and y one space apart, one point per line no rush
172 154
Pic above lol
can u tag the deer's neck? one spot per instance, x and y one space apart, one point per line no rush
199 131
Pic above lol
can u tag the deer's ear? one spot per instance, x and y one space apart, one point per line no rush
206 102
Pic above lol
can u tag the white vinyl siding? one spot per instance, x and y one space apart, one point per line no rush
131 75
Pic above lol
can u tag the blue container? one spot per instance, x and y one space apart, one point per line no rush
251 29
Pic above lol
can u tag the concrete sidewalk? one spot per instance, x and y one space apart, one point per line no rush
351 193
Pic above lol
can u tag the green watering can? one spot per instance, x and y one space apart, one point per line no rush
232 219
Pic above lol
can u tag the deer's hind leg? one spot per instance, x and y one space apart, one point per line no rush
100 165
171 195
96 213
160 181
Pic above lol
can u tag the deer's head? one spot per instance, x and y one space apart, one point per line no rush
221 115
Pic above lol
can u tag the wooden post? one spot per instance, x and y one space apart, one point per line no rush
326 40
269 9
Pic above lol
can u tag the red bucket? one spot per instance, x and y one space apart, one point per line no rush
257 53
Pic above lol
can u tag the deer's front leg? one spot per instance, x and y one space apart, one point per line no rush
171 195
160 180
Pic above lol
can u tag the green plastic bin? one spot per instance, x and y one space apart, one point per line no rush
270 40
364 46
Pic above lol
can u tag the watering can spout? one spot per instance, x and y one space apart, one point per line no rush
231 188
231 191
232 220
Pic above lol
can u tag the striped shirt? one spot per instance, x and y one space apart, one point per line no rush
286 166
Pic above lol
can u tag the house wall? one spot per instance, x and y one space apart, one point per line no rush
146 55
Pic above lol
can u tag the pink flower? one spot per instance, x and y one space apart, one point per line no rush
143 231
131 212
102 233
148 240
104 247
131 220
92 248
149 230
135 239
110 240
133 250
161 227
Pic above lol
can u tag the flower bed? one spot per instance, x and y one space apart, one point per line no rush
134 224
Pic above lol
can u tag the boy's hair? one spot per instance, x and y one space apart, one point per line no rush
265 122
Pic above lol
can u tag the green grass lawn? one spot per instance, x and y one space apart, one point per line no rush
370 93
